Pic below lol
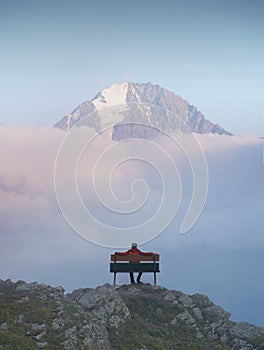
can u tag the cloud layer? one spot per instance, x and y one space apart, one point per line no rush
221 256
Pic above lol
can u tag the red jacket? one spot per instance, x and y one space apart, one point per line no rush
135 251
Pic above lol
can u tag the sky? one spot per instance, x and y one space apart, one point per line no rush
57 54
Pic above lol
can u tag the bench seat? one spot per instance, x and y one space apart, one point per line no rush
140 267
132 263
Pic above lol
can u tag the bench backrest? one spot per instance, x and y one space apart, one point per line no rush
135 257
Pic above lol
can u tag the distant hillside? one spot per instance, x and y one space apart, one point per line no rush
37 316
130 93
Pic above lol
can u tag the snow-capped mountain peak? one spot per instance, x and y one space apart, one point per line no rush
144 93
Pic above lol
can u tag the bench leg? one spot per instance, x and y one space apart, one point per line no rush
114 278
155 279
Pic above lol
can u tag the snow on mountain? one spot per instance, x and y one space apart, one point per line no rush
116 94
175 107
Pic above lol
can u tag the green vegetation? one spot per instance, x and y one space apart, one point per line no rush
152 329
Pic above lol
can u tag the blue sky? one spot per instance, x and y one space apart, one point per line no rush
56 54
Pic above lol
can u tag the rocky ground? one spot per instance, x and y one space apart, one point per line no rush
138 317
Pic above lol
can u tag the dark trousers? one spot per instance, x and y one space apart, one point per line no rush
132 277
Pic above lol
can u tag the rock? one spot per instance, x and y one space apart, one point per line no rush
114 321
224 338
3 326
174 321
19 319
187 318
218 312
96 335
26 287
241 344
197 313
202 300
42 345
133 291
158 287
172 297
247 330
39 327
212 330
57 323
60 290
24 300
105 302
42 289
69 344
71 332
199 334
8 281
186 301
159 311
40 335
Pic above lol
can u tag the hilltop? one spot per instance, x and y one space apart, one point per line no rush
36 316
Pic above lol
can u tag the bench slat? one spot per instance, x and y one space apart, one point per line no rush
141 267
134 257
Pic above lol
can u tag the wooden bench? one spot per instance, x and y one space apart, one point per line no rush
132 263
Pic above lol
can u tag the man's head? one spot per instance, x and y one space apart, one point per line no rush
134 245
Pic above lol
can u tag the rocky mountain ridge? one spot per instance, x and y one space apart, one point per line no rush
37 316
129 95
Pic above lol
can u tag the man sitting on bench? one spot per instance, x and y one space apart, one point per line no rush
134 250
